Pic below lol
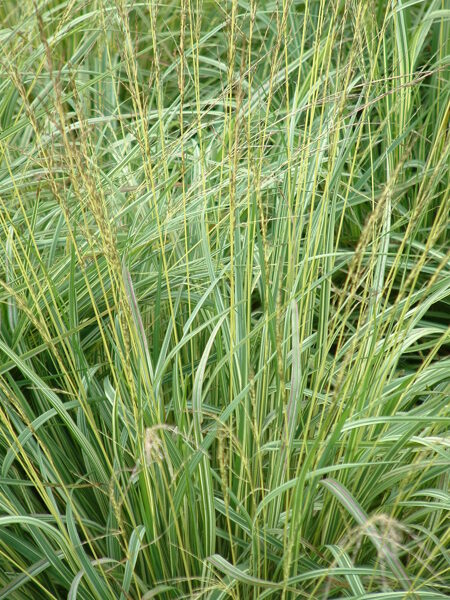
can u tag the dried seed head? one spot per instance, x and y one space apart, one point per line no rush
390 536
152 446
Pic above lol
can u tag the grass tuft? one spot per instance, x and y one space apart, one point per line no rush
224 299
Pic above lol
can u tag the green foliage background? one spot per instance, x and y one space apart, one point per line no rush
224 299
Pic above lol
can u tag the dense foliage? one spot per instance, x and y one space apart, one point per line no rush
224 299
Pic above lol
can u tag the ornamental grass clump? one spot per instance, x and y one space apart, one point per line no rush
224 299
